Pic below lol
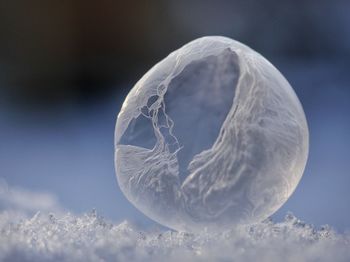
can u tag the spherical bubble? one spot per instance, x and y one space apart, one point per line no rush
211 137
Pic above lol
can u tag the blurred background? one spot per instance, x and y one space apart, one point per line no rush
66 67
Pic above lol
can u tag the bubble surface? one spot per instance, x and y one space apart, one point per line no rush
210 137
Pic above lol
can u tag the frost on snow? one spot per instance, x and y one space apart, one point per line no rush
52 235
89 237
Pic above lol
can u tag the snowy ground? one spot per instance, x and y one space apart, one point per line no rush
55 235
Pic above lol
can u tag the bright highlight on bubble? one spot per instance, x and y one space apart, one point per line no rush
211 137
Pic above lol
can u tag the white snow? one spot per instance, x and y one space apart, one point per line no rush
46 236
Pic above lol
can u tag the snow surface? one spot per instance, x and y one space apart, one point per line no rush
91 238
46 236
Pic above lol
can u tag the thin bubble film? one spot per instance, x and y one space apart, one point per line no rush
211 137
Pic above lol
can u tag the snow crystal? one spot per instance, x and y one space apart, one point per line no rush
89 237
52 235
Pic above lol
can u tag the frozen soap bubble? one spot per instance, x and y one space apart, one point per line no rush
211 137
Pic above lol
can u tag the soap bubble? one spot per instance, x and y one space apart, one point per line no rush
211 137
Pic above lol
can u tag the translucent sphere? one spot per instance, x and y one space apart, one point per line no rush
211 137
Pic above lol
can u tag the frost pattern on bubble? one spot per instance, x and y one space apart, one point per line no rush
91 238
212 136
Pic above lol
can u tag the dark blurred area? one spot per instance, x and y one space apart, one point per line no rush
66 67
57 52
